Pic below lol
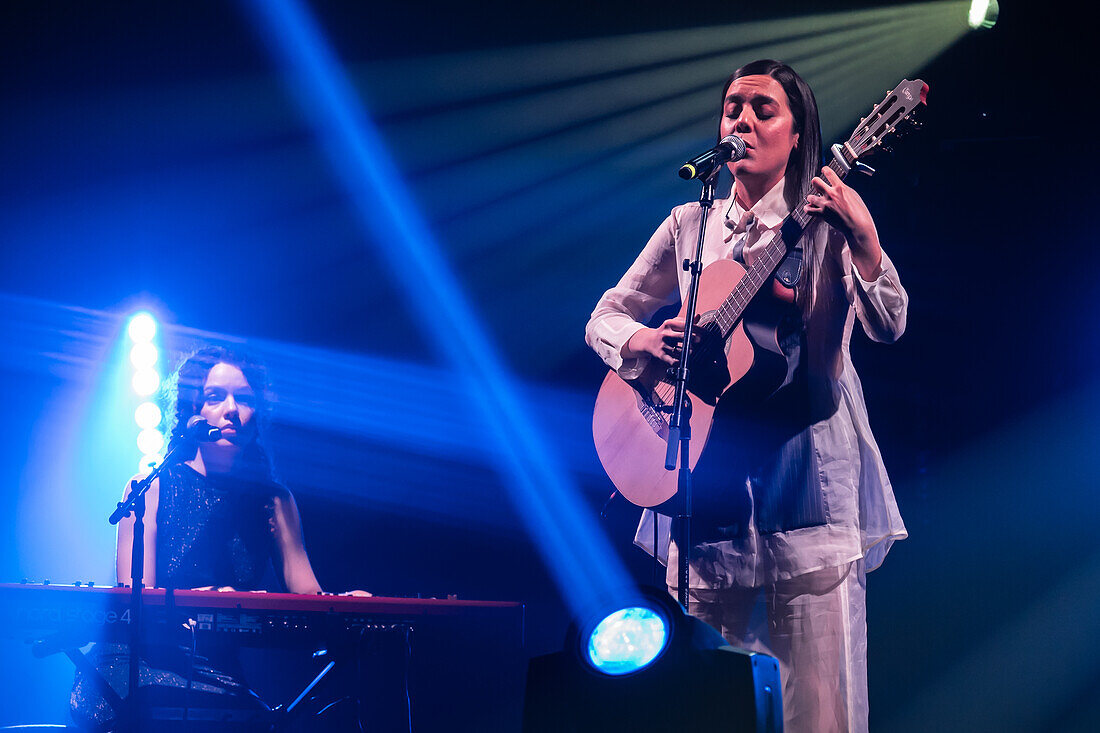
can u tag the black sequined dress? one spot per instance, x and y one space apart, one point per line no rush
214 531
210 532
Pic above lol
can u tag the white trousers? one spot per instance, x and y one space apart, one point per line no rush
816 626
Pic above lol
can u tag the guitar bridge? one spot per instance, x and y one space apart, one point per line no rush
651 413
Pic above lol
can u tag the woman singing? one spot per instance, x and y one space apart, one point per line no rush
794 504
219 520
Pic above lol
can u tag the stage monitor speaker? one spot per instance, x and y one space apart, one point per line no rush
722 689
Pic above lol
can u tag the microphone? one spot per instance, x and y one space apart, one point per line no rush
728 149
202 431
197 429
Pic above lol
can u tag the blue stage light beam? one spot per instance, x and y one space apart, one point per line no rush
420 458
71 456
76 464
572 545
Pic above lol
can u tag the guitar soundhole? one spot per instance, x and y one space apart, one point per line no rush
709 373
708 377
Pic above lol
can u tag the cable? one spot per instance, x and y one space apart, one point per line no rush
408 665
359 679
190 625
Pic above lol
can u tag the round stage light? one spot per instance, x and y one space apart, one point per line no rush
145 382
983 13
142 328
144 355
627 640
147 415
150 441
148 463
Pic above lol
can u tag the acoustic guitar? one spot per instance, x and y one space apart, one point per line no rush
630 421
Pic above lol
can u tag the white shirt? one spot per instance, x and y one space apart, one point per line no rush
862 515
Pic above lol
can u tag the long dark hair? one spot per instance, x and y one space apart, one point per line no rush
185 397
805 160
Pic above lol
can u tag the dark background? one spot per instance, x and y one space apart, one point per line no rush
152 156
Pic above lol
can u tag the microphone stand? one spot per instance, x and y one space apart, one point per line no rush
135 503
679 426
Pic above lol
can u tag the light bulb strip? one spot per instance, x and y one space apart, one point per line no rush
145 381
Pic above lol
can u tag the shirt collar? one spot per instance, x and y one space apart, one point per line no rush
769 211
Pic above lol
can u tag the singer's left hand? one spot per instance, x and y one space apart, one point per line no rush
844 210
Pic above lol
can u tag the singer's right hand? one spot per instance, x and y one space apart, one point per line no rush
662 342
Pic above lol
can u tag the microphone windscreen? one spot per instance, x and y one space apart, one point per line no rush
199 429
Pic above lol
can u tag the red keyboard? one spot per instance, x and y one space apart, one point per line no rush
38 611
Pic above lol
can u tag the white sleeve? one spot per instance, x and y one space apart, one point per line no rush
881 304
650 284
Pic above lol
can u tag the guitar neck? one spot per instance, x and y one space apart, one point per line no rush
731 311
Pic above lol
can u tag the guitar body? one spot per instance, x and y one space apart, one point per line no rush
630 421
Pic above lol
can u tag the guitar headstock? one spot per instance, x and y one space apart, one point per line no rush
896 108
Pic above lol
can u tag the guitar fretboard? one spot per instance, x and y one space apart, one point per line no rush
729 314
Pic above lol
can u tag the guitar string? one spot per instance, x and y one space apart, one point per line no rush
729 313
